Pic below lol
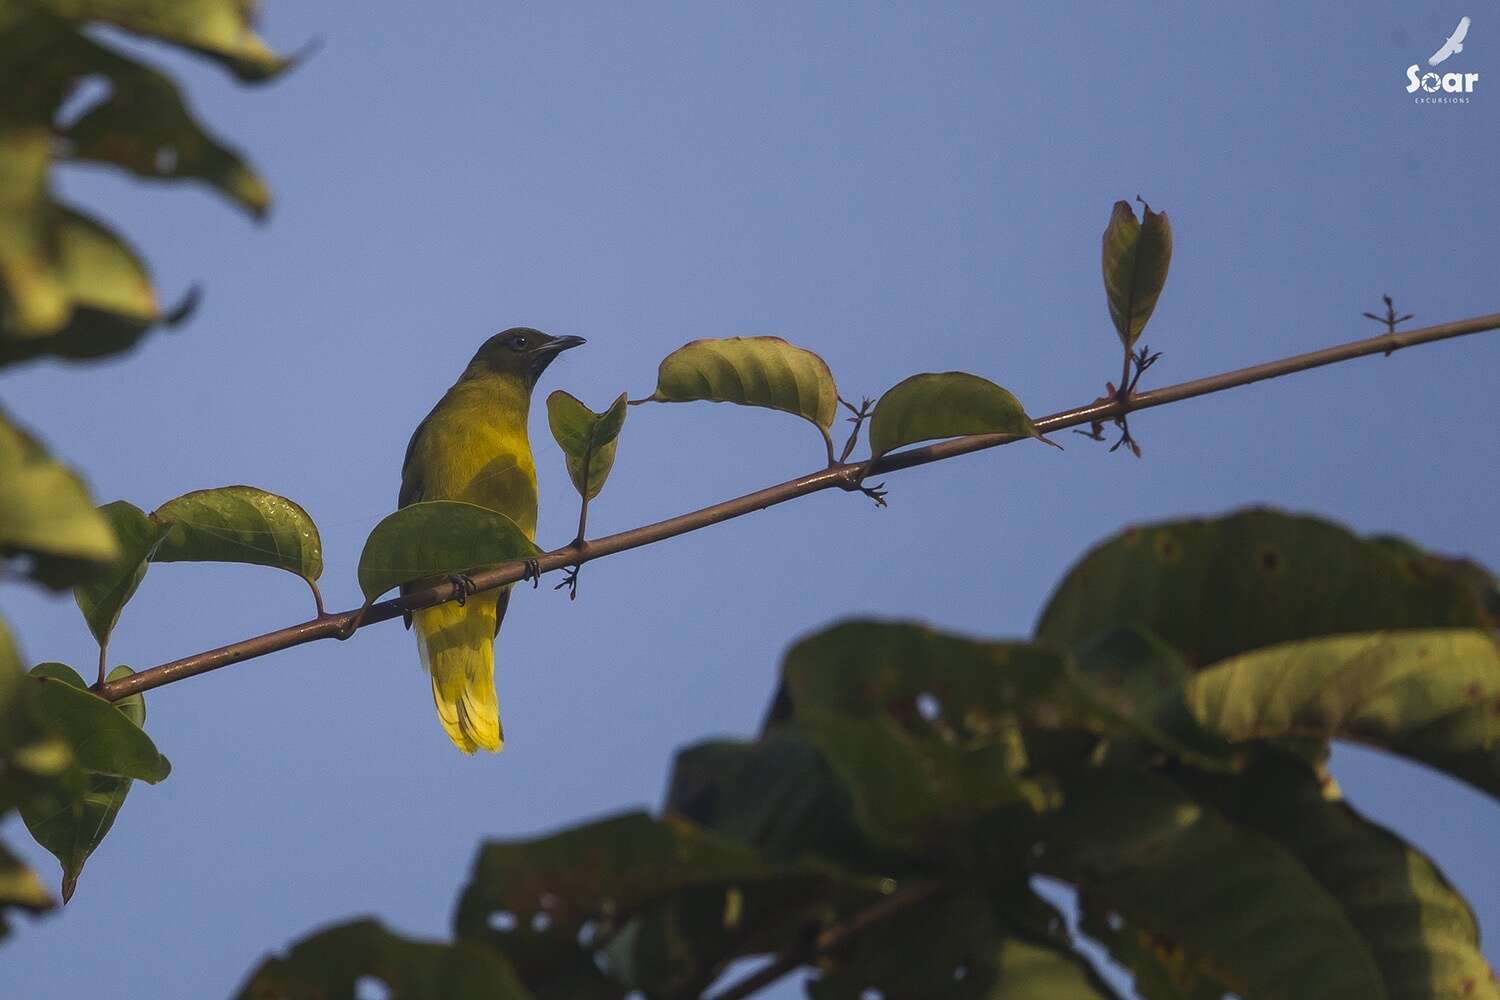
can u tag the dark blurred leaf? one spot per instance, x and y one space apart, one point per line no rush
752 371
46 513
103 738
331 964
1162 969
1416 929
1432 695
1147 850
957 946
223 30
240 524
550 903
103 597
1137 254
585 435
144 125
944 405
72 825
1212 588
437 538
778 794
20 889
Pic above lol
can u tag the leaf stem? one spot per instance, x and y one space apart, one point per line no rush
840 476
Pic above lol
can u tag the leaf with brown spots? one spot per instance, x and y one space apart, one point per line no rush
1431 695
1216 587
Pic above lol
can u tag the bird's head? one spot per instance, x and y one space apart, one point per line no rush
520 352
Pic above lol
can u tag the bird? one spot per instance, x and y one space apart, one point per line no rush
1453 45
474 447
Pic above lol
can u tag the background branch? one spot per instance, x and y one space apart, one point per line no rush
840 475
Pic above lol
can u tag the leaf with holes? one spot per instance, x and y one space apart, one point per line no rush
437 538
1215 587
928 730
943 405
337 961
241 524
102 598
1431 695
103 738
752 371
586 436
223 30
46 515
1137 254
72 822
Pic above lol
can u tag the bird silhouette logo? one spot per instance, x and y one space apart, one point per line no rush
1453 45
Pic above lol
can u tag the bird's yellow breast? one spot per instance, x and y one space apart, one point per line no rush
474 447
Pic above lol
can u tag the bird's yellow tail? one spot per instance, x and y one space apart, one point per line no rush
458 649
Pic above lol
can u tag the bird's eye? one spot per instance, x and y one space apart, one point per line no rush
519 343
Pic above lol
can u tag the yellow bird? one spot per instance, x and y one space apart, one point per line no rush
473 447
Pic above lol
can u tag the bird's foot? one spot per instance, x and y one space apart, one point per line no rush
532 572
570 580
464 586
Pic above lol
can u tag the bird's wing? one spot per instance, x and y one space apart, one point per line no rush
1461 32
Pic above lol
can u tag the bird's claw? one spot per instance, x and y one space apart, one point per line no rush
570 580
464 584
532 572
875 493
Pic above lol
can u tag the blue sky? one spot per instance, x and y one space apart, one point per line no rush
899 187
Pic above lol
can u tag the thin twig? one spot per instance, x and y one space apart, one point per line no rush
840 476
829 941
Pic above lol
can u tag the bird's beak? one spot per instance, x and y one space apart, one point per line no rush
541 356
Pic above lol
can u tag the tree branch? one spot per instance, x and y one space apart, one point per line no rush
840 475
829 941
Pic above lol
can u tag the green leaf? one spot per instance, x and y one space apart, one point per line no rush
437 538
752 371
1412 925
73 822
1137 255
144 125
46 513
1213 588
33 300
332 962
108 300
585 435
941 405
1237 898
102 598
20 888
103 737
240 524
1431 695
223 30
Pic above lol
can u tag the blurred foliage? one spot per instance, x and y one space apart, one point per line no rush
1158 745
885 829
